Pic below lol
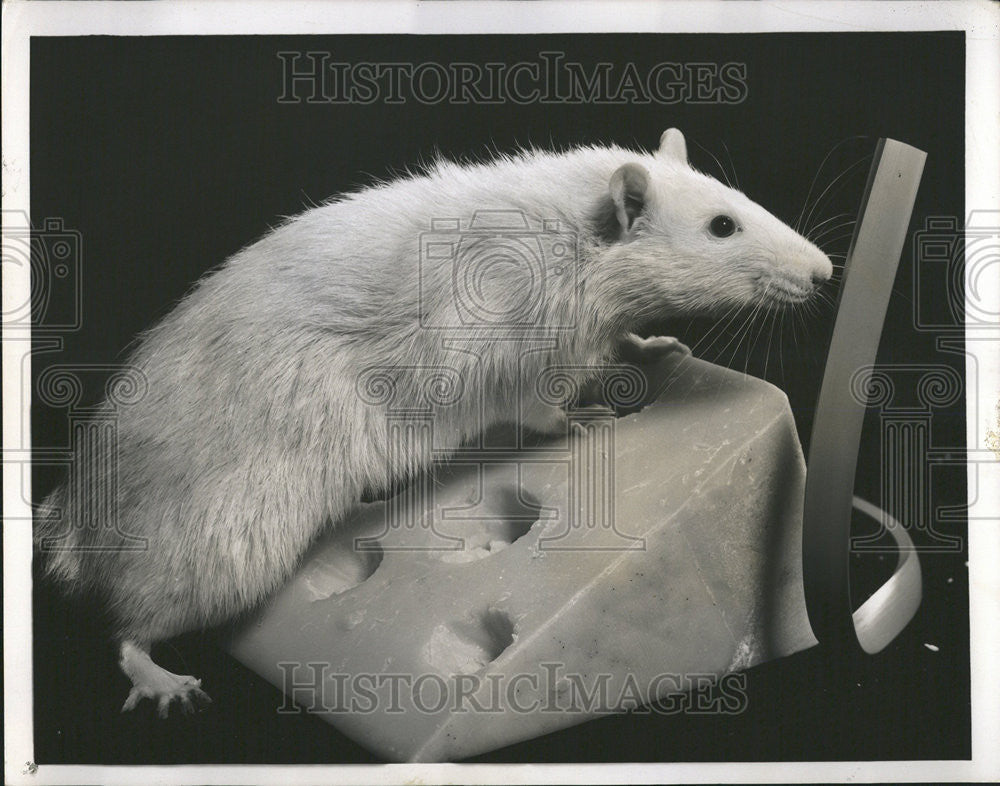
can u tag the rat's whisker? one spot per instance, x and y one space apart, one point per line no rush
834 182
718 328
812 185
732 166
818 238
811 234
722 169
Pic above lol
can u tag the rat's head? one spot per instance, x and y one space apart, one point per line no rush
700 245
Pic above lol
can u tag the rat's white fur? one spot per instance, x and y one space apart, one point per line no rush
253 434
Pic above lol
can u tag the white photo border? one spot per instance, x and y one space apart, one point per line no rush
979 19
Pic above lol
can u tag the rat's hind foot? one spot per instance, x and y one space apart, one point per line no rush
150 681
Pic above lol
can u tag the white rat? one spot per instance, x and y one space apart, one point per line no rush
258 429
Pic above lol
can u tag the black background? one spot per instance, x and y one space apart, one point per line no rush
169 154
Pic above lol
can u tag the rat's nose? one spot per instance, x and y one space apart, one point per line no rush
821 269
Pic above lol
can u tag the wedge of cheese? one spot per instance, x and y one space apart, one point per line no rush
528 590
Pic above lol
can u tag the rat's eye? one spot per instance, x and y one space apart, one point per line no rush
722 226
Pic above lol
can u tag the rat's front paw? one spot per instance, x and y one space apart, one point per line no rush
636 349
662 345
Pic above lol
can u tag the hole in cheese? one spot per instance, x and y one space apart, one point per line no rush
469 645
516 512
336 570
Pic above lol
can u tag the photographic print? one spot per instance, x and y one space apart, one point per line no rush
604 387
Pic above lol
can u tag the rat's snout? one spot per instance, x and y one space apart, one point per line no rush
821 272
820 268
800 273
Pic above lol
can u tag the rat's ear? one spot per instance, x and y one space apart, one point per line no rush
628 188
672 145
